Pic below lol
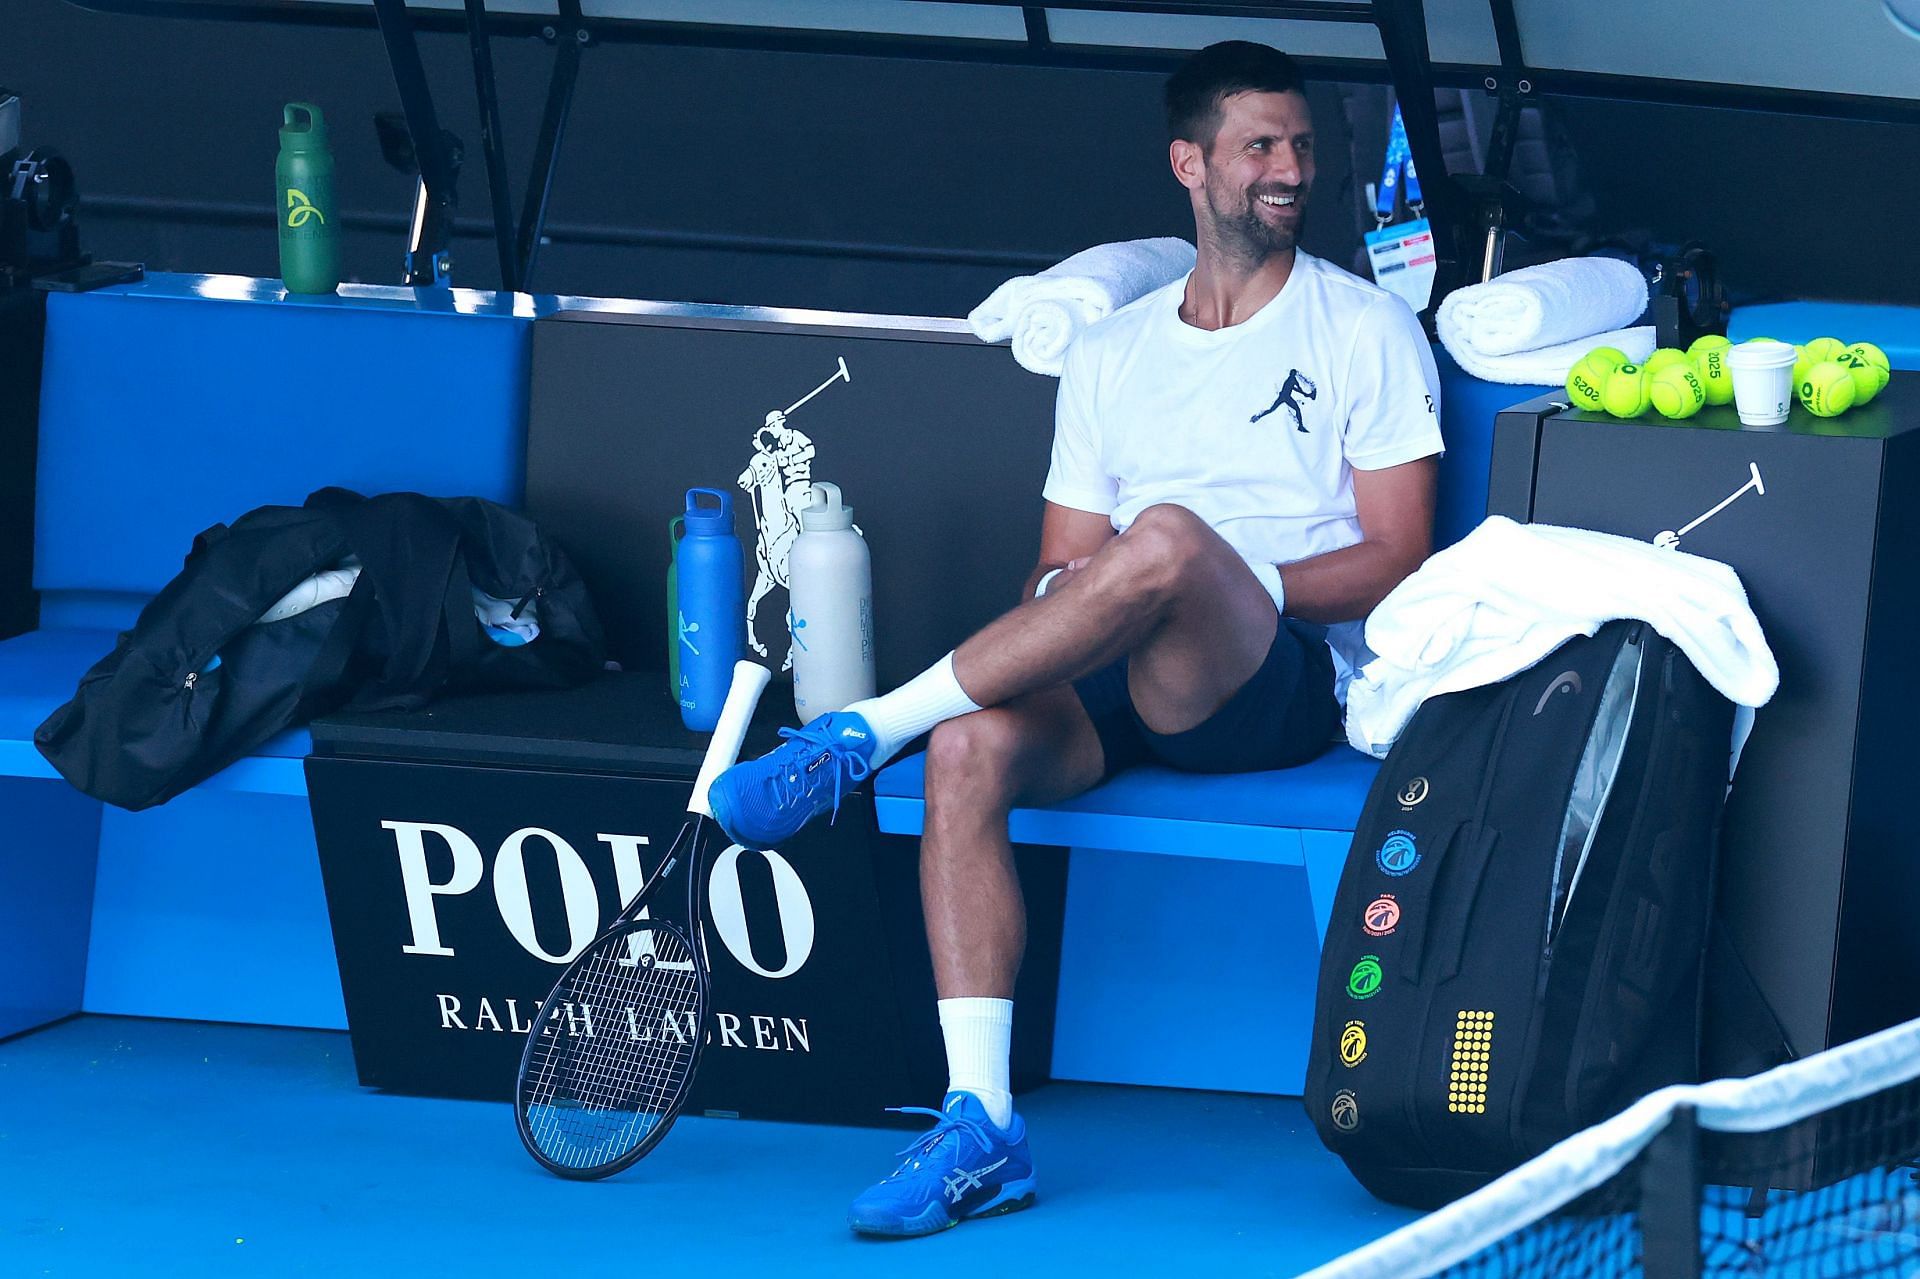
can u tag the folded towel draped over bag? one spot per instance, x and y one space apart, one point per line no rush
1044 313
1531 326
1508 594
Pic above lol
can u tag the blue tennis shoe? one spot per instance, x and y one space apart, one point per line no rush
961 1167
765 802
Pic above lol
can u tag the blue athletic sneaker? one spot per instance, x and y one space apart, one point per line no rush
764 802
962 1167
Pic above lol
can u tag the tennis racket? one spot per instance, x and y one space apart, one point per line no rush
613 1051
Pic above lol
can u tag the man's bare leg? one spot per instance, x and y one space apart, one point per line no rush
1169 591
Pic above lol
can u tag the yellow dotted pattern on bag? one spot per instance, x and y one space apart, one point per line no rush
1472 1050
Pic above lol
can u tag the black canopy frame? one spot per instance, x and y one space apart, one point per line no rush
1468 214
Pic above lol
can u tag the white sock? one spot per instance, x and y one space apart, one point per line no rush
979 1034
931 697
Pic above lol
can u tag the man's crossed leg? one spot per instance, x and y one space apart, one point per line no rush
1163 645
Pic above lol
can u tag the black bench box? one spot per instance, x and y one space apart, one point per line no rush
822 986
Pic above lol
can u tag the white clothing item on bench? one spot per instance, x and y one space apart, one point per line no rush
1044 313
1505 596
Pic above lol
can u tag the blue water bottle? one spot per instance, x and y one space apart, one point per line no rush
707 615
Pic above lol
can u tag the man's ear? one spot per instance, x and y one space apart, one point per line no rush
1189 162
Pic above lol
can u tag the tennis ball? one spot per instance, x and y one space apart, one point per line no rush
1676 390
1662 358
1709 356
1610 357
1826 390
1586 378
1818 351
1624 393
1875 360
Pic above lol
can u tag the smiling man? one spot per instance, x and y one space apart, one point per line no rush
1242 468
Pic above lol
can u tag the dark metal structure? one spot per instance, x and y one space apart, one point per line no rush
1469 214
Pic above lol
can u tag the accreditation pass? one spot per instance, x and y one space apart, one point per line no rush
1403 260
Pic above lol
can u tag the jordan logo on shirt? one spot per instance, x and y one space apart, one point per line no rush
1296 389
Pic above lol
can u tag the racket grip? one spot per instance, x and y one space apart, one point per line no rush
749 681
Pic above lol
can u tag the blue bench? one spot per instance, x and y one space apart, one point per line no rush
1230 941
169 406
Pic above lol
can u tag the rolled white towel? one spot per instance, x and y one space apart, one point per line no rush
1549 365
1044 313
1543 306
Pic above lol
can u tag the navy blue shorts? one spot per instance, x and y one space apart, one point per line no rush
1285 714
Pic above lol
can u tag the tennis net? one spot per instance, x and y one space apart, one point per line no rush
1808 1171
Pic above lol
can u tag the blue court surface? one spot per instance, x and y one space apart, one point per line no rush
150 1148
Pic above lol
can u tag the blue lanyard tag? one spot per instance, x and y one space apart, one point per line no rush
1397 167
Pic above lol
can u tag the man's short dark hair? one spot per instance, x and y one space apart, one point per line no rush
1216 73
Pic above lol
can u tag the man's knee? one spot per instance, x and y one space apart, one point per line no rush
1162 546
973 756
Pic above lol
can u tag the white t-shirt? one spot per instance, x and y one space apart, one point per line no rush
1256 427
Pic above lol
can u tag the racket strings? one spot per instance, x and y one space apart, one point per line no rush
617 1049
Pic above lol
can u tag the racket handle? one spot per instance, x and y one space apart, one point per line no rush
749 681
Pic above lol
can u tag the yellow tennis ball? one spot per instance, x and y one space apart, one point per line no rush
1585 379
1662 358
1875 360
1624 393
1610 357
1826 390
1818 351
1676 390
1866 377
1709 355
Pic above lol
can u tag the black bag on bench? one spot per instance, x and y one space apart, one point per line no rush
1515 950
200 681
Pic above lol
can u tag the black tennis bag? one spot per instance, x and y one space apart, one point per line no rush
200 680
1516 946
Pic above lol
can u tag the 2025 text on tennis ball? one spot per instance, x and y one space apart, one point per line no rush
1676 391
1624 393
1586 378
1709 355
1827 389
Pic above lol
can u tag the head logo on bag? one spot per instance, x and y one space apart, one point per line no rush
1353 1044
1382 916
1398 855
1564 682
1364 981
1412 793
1346 1110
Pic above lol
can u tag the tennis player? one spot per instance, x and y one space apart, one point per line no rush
1243 466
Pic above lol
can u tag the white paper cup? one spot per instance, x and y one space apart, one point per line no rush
1762 381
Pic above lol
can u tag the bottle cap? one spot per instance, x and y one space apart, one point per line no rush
823 512
709 521
303 128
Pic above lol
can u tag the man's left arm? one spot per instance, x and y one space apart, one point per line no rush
1395 508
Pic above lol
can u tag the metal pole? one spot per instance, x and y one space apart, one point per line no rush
569 34
427 261
492 141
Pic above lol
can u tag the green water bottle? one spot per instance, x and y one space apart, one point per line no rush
309 229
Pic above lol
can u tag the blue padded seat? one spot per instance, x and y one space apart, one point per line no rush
1326 794
1894 329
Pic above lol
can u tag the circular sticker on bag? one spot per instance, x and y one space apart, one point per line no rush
1382 916
1346 1111
1364 981
1353 1044
1413 792
1398 855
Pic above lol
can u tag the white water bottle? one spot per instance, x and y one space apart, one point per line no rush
830 584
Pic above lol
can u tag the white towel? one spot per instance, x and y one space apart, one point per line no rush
1549 365
1044 313
1545 305
1508 594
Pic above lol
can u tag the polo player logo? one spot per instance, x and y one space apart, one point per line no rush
779 480
1294 392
